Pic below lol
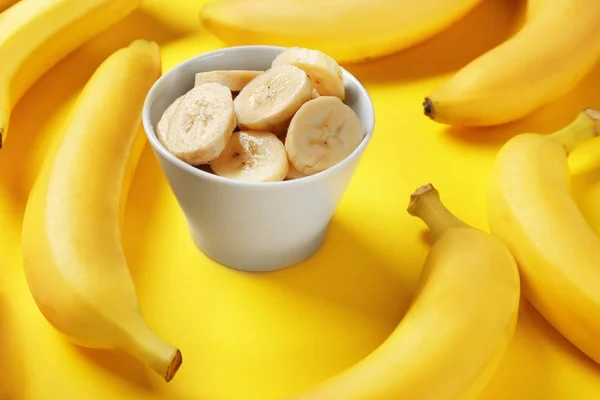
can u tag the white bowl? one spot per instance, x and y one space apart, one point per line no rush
243 225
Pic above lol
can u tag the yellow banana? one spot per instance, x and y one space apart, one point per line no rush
530 207
72 253
4 4
36 34
546 59
347 30
457 330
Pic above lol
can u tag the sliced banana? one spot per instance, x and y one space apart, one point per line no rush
324 71
163 124
198 125
272 98
252 156
235 80
323 132
315 94
293 173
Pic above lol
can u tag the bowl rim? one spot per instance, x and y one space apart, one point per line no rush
200 174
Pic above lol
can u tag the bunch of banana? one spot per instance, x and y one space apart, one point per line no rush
72 254
347 30
36 34
452 339
545 60
530 207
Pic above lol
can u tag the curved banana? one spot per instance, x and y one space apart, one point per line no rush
36 34
531 209
4 4
347 30
457 330
546 59
72 253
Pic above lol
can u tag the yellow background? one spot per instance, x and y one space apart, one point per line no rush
264 336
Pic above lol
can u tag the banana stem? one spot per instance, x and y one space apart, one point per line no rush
145 345
425 204
584 127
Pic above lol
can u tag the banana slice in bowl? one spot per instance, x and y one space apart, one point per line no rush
272 98
252 156
323 71
235 80
198 125
322 133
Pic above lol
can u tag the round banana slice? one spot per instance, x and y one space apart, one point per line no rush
235 80
252 156
272 98
323 71
315 94
198 125
322 133
163 124
293 173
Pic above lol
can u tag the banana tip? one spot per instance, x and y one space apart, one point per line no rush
417 194
174 367
428 108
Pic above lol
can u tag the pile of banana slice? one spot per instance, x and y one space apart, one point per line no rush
265 126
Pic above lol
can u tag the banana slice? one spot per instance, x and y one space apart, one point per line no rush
163 124
322 133
198 125
293 173
315 94
323 71
272 98
252 156
235 80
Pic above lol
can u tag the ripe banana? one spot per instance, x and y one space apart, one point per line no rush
72 255
252 156
235 80
36 34
322 133
456 331
347 30
530 207
546 59
197 125
269 101
4 4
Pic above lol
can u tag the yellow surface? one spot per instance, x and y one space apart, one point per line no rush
264 336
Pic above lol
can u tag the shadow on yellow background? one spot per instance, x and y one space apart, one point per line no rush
12 382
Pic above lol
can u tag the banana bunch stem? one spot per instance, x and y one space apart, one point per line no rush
425 204
584 127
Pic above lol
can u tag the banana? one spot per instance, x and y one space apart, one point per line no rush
72 254
4 4
36 34
197 126
530 207
314 94
458 327
323 71
293 173
528 71
235 80
269 101
322 133
347 30
252 156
